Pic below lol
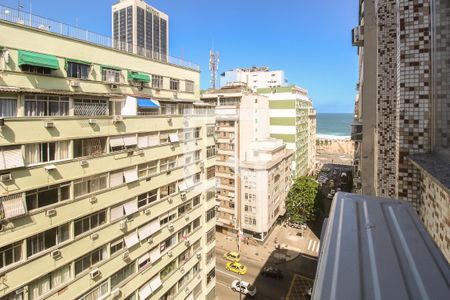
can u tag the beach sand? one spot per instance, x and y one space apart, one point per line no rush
332 149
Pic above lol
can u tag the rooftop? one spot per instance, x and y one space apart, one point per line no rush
437 165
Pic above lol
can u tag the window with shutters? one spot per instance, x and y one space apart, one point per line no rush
147 198
47 239
164 137
189 86
210 151
148 169
148 140
48 195
89 222
123 142
90 259
111 76
12 206
174 84
157 81
11 157
46 152
89 147
91 184
10 254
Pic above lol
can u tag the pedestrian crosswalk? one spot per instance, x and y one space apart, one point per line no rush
313 246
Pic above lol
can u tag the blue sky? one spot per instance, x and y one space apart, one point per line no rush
310 40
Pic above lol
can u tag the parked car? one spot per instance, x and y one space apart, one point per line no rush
272 272
236 268
244 287
232 256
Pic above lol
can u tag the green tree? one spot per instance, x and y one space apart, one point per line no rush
301 200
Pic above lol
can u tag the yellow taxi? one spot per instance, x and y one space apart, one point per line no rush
232 256
236 268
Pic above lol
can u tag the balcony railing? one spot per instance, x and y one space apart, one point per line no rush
28 19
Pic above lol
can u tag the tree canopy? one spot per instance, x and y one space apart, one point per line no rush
301 200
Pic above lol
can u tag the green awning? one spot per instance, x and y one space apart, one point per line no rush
38 60
138 76
77 61
110 67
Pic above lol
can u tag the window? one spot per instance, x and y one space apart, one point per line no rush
10 254
90 107
168 269
197 245
211 275
110 76
89 222
170 216
210 255
168 243
210 130
197 155
47 196
77 70
157 81
210 172
196 201
143 262
196 223
169 109
11 206
189 86
169 295
184 279
210 214
210 194
89 147
46 152
121 275
45 105
147 169
148 140
47 239
11 157
48 282
90 259
210 151
90 184
36 70
197 131
122 142
167 190
188 134
210 236
174 84
97 292
182 209
116 246
147 198
184 257
8 107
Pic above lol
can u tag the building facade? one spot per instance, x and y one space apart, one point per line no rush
254 78
266 178
241 117
403 148
293 119
140 28
103 184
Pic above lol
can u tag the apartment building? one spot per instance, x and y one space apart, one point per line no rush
266 178
241 117
293 119
140 28
401 129
254 77
103 184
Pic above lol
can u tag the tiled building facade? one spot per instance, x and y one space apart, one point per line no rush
412 108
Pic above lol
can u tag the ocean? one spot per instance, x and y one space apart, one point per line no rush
331 125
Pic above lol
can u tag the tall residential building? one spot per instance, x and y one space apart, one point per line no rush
293 119
402 127
254 78
140 28
242 123
103 184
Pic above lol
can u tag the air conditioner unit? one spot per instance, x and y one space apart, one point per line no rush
93 200
358 36
186 217
115 293
170 200
113 86
117 119
150 240
187 242
92 121
170 227
55 254
94 273
50 213
94 236
74 83
49 168
183 195
83 163
169 254
2 122
199 255
49 124
126 255
123 225
148 211
5 177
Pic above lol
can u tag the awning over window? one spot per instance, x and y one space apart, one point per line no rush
76 61
131 239
110 67
12 206
148 103
38 60
155 283
138 76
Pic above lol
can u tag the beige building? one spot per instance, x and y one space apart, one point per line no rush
103 185
266 178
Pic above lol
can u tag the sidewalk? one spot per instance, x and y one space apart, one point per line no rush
291 245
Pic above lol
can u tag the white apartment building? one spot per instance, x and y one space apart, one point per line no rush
140 28
266 178
254 78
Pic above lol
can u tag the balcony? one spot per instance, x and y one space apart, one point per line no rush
356 134
358 36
